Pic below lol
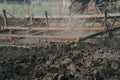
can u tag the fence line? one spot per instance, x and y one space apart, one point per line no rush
54 7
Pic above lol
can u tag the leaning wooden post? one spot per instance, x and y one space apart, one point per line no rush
6 22
46 18
46 21
106 26
5 18
105 20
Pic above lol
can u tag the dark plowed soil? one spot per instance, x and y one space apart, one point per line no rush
60 61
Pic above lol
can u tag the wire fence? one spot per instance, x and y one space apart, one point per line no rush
36 7
21 8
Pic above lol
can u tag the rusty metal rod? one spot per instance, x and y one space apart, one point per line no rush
40 36
55 28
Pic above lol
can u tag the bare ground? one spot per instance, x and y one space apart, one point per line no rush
62 61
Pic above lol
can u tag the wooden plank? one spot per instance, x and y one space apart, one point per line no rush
109 15
40 36
56 28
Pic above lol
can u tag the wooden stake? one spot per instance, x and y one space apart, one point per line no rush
46 18
105 20
5 18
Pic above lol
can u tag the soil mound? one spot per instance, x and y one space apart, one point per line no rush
60 61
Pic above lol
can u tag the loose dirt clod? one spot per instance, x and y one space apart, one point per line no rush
60 61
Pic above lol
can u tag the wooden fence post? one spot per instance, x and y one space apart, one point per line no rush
5 18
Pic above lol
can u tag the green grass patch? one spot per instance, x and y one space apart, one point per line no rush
21 10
